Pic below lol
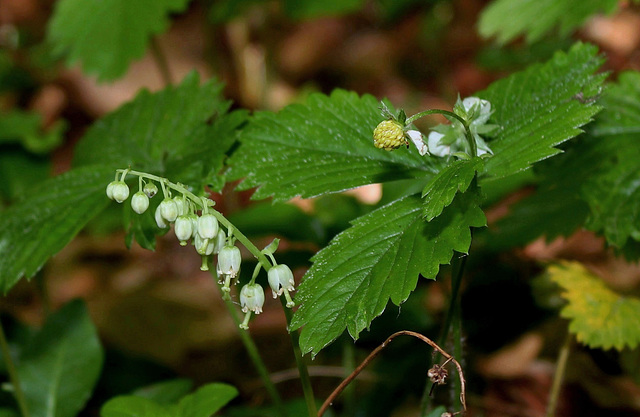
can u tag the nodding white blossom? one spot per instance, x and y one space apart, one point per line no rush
252 298
219 241
159 219
229 260
207 226
280 279
169 210
118 190
183 229
140 202
203 246
417 139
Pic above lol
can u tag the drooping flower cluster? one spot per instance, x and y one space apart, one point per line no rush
196 222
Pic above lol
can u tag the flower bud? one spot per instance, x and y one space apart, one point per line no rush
168 210
219 241
150 189
252 298
389 135
229 260
159 219
207 226
119 191
280 279
181 204
203 246
139 202
183 229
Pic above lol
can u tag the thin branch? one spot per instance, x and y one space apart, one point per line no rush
558 378
377 351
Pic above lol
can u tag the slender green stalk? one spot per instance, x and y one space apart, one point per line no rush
459 262
307 389
13 375
161 61
198 200
255 357
558 377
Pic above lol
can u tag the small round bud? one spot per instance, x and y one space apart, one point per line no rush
159 219
389 135
229 260
110 190
252 298
119 191
139 202
207 226
150 189
280 279
168 210
181 204
183 229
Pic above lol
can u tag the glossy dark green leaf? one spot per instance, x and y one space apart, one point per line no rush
206 401
541 107
376 260
61 364
442 188
132 406
181 132
322 146
165 392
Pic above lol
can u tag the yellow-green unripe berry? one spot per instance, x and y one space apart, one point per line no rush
139 202
207 226
389 135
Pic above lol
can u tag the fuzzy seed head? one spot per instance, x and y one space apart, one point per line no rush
389 135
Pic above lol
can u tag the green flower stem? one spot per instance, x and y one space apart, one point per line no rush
459 262
558 377
467 131
254 355
307 389
221 219
13 375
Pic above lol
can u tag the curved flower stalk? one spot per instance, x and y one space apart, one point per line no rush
197 222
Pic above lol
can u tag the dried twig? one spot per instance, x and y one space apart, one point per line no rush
336 392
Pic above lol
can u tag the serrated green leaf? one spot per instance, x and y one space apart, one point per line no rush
323 146
600 318
106 35
206 401
132 406
542 107
442 188
613 192
534 19
61 364
181 132
379 259
41 225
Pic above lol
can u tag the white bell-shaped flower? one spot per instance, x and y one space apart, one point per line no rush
252 298
168 210
140 202
229 260
280 279
183 229
207 226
